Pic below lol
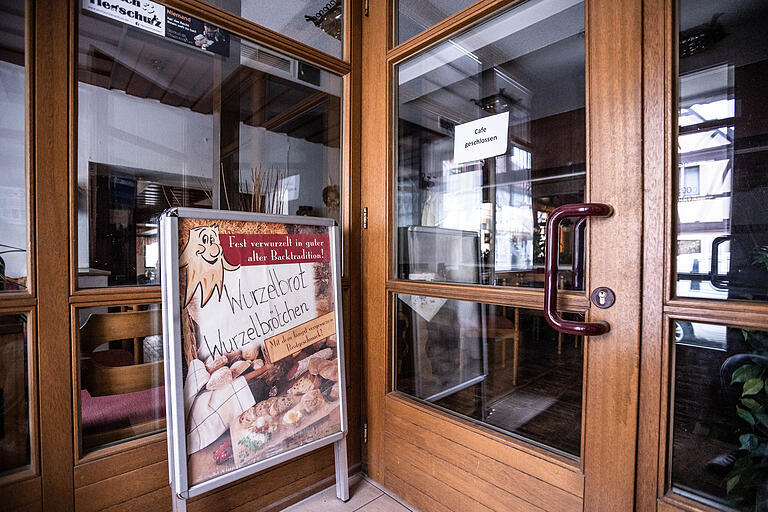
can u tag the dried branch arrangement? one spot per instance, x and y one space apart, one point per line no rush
267 194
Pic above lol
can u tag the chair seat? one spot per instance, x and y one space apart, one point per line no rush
111 412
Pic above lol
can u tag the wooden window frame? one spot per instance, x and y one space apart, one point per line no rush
660 304
61 477
31 470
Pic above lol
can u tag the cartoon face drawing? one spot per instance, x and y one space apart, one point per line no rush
205 262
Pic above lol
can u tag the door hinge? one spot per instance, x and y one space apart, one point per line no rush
365 217
365 7
365 433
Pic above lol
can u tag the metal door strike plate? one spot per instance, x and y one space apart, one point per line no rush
603 297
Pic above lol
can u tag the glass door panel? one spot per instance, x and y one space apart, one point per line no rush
499 365
722 219
491 139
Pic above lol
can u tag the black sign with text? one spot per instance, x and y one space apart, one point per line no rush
194 32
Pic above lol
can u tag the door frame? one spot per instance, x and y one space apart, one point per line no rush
614 89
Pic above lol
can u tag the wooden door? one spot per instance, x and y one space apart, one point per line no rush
702 433
459 416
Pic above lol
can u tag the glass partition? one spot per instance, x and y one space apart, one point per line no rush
192 116
500 365
15 449
491 138
13 190
722 219
122 395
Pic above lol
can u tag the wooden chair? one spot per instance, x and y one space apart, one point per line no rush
101 380
101 328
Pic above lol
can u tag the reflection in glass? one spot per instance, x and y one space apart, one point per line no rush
415 16
482 219
15 450
13 195
121 373
720 431
722 219
162 124
316 23
503 366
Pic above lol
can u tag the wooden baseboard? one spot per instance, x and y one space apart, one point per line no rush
309 491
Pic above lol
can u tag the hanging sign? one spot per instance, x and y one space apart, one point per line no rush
253 338
163 21
482 138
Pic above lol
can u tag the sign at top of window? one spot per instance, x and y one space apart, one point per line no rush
149 16
166 22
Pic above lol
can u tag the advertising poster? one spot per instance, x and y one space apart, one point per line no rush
163 21
261 371
194 32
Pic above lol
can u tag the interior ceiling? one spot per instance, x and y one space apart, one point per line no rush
143 65
12 31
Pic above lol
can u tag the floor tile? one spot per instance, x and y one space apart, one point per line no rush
383 504
361 492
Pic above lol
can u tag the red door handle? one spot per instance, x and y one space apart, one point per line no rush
550 269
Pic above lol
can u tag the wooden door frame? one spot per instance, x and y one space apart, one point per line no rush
614 54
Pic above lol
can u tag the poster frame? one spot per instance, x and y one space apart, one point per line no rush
172 340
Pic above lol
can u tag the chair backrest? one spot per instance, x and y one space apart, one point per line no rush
101 328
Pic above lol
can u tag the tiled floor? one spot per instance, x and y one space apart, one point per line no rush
365 496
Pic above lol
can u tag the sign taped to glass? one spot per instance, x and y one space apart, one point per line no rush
254 348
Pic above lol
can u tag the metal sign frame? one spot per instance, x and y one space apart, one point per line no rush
172 341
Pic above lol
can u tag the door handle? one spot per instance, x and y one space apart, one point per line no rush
550 269
714 277
579 253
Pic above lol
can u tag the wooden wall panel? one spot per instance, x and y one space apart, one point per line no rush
22 495
51 147
516 456
492 473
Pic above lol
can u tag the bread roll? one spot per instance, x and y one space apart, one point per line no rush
220 379
214 363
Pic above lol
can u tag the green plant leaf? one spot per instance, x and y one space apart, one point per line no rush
752 387
745 333
745 372
752 404
732 483
749 441
745 415
762 417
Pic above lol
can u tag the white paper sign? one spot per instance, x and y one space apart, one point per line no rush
143 14
483 138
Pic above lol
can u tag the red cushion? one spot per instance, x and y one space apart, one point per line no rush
102 413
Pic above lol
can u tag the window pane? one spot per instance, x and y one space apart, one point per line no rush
722 151
13 193
491 139
502 366
720 430
208 122
15 451
121 373
415 16
316 23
